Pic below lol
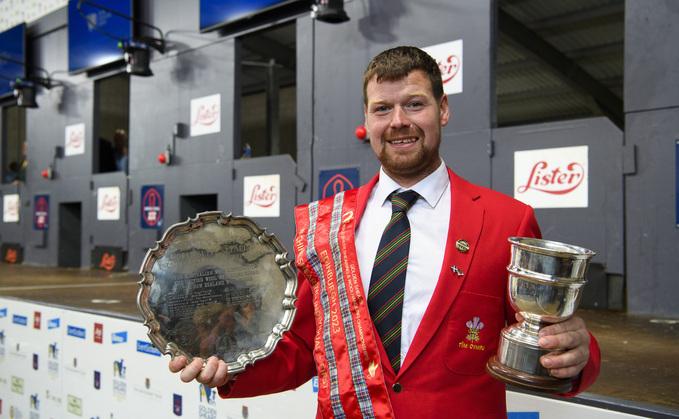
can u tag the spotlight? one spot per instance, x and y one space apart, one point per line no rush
330 11
137 58
24 92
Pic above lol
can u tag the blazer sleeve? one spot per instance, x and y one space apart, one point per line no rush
290 365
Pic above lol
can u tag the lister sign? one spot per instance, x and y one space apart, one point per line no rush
553 177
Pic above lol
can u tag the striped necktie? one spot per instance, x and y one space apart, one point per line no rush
387 283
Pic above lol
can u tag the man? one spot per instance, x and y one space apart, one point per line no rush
456 278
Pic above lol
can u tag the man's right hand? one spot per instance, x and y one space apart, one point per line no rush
213 373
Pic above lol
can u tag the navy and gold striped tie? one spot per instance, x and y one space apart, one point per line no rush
387 283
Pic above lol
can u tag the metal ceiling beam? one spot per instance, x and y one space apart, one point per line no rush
569 70
268 48
579 17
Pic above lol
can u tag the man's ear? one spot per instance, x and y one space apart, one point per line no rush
444 110
365 118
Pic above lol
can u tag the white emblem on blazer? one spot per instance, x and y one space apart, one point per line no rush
457 270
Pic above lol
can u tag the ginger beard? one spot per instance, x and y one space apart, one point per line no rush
419 157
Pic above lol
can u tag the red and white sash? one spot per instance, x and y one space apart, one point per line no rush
350 379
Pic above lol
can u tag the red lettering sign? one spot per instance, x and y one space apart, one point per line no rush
449 68
109 203
557 181
206 115
11 256
263 197
36 320
12 208
108 261
75 139
98 333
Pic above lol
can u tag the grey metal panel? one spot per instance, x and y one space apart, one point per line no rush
651 54
108 232
284 225
14 232
213 179
467 155
158 103
342 53
600 225
651 233
305 105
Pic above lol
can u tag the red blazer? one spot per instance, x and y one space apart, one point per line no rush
443 374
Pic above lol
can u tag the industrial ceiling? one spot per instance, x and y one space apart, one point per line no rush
555 60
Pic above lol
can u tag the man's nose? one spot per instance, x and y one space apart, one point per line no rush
399 118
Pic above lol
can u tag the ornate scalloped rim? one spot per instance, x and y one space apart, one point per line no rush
285 264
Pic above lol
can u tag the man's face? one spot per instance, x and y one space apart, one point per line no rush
404 121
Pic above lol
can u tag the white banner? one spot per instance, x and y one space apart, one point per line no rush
553 177
10 208
108 203
261 196
206 115
74 141
449 58
60 363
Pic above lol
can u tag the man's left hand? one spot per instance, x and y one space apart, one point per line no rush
570 339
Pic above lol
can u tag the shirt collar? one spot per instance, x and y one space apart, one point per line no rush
430 188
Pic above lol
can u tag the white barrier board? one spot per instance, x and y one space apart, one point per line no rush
59 363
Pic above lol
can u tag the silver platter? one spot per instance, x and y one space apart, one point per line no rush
217 285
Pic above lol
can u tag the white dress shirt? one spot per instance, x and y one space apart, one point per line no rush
429 218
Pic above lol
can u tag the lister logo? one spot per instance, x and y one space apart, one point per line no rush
206 115
449 67
109 203
263 196
552 177
554 180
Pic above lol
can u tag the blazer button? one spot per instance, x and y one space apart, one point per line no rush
397 387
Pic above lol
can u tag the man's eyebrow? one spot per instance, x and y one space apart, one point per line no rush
410 95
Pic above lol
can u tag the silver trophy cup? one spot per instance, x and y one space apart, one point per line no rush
545 284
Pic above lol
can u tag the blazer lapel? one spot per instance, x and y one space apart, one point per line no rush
466 220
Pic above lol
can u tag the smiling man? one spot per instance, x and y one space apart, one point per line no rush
412 338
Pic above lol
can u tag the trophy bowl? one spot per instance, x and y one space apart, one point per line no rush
545 284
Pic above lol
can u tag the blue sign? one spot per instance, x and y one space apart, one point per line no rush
523 415
77 332
152 207
147 348
215 13
20 320
41 212
120 337
94 33
332 182
12 47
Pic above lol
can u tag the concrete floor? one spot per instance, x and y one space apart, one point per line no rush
640 355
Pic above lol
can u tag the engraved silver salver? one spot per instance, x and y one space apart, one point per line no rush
217 285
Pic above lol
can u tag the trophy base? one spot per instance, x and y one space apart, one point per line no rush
520 379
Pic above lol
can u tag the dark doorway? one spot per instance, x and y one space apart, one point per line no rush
190 205
112 115
268 102
70 230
